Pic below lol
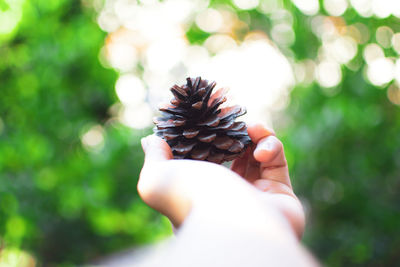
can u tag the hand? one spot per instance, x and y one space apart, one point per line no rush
264 165
266 201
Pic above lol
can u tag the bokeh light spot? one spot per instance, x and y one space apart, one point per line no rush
163 55
10 17
380 71
130 89
137 116
335 7
343 49
283 34
393 94
384 36
210 20
12 257
93 138
328 73
246 4
363 7
396 42
219 42
382 8
308 7
122 56
372 52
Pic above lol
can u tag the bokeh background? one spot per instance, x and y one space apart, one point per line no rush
81 80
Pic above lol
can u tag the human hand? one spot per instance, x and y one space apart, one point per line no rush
177 188
264 165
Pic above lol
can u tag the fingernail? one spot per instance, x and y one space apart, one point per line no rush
265 146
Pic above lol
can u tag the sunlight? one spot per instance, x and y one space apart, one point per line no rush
335 7
246 4
380 71
328 73
308 7
210 20
93 138
130 89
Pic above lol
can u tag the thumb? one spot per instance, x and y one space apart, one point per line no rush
155 149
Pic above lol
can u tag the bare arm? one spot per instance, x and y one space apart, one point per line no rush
247 216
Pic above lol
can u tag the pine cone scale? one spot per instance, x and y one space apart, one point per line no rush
190 133
207 138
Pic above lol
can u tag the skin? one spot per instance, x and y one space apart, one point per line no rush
243 210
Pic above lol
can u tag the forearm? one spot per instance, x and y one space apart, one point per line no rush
231 241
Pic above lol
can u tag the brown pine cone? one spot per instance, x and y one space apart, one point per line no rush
195 127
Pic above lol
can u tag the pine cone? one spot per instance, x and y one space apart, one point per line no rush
195 127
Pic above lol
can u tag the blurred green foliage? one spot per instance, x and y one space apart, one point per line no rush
67 205
57 200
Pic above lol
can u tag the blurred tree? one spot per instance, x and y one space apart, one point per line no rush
58 200
68 169
344 149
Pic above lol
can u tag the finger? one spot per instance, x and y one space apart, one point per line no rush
268 152
273 165
156 149
259 131
239 165
153 182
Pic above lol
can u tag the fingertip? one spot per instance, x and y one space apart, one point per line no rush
261 155
257 131
156 148
267 149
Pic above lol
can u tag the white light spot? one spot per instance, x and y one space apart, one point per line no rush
323 27
195 55
10 18
393 93
122 56
308 7
219 42
396 9
335 7
343 49
161 56
397 71
253 68
283 34
210 20
384 36
108 21
380 71
372 52
93 138
328 74
382 8
130 89
363 7
304 71
246 4
138 116
396 42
